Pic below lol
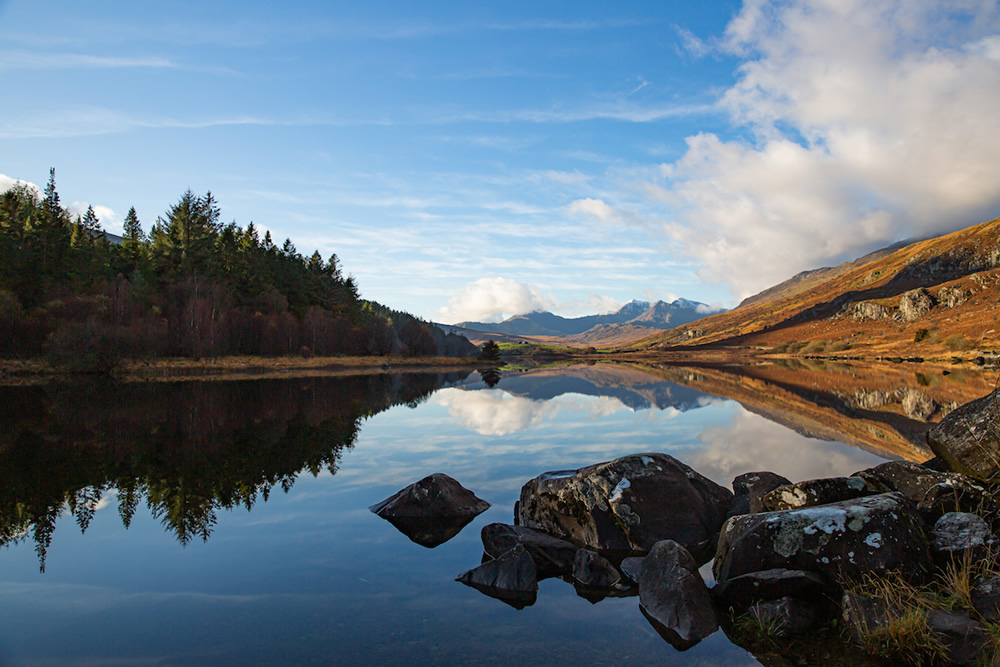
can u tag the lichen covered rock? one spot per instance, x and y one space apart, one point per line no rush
814 492
845 539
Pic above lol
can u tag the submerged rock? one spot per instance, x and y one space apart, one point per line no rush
511 578
814 492
968 438
673 596
627 505
553 557
432 510
845 539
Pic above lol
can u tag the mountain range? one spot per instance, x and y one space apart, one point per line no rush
632 321
934 298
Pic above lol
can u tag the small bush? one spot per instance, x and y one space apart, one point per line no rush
921 334
956 342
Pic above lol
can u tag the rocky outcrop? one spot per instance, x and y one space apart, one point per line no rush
814 492
968 438
915 304
868 311
839 540
672 593
628 505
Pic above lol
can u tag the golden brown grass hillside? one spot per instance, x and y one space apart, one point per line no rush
934 298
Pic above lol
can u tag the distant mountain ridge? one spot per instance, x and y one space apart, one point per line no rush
639 315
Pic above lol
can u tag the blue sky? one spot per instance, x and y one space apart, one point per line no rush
475 160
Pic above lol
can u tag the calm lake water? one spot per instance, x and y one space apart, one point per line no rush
226 522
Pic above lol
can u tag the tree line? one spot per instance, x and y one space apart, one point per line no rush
192 287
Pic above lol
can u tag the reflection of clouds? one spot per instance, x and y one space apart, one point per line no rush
495 412
751 443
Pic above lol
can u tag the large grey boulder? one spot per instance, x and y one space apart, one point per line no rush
968 438
673 595
839 540
553 557
814 492
627 505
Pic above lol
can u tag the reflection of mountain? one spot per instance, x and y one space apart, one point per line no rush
187 449
883 408
635 389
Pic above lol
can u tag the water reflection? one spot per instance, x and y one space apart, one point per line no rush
186 450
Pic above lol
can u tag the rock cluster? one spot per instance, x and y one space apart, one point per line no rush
788 556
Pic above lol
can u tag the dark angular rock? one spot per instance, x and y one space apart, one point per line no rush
553 557
814 492
631 567
511 578
961 534
590 569
787 616
739 593
845 539
861 614
431 511
965 640
750 487
436 495
627 505
672 593
936 492
986 598
968 438
958 496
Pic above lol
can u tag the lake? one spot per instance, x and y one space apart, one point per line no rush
227 522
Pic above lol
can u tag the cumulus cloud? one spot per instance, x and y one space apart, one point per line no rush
493 300
859 125
599 210
6 183
105 215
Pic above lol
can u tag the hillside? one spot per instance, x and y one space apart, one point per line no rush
632 322
931 298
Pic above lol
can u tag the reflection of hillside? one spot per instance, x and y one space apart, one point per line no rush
883 408
634 388
186 449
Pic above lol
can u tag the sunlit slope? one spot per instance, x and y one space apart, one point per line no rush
932 297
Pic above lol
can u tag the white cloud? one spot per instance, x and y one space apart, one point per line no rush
599 210
492 300
6 183
862 127
106 215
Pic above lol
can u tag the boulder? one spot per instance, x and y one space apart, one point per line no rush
968 438
627 505
431 511
674 597
553 557
785 617
958 535
964 639
739 593
436 495
986 598
511 577
631 567
839 540
749 488
590 569
814 492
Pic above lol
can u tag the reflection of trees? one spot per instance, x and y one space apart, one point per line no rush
187 449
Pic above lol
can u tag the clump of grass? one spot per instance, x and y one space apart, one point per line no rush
814 347
839 346
751 630
957 342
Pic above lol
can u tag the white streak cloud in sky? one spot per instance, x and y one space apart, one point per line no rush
861 128
492 300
